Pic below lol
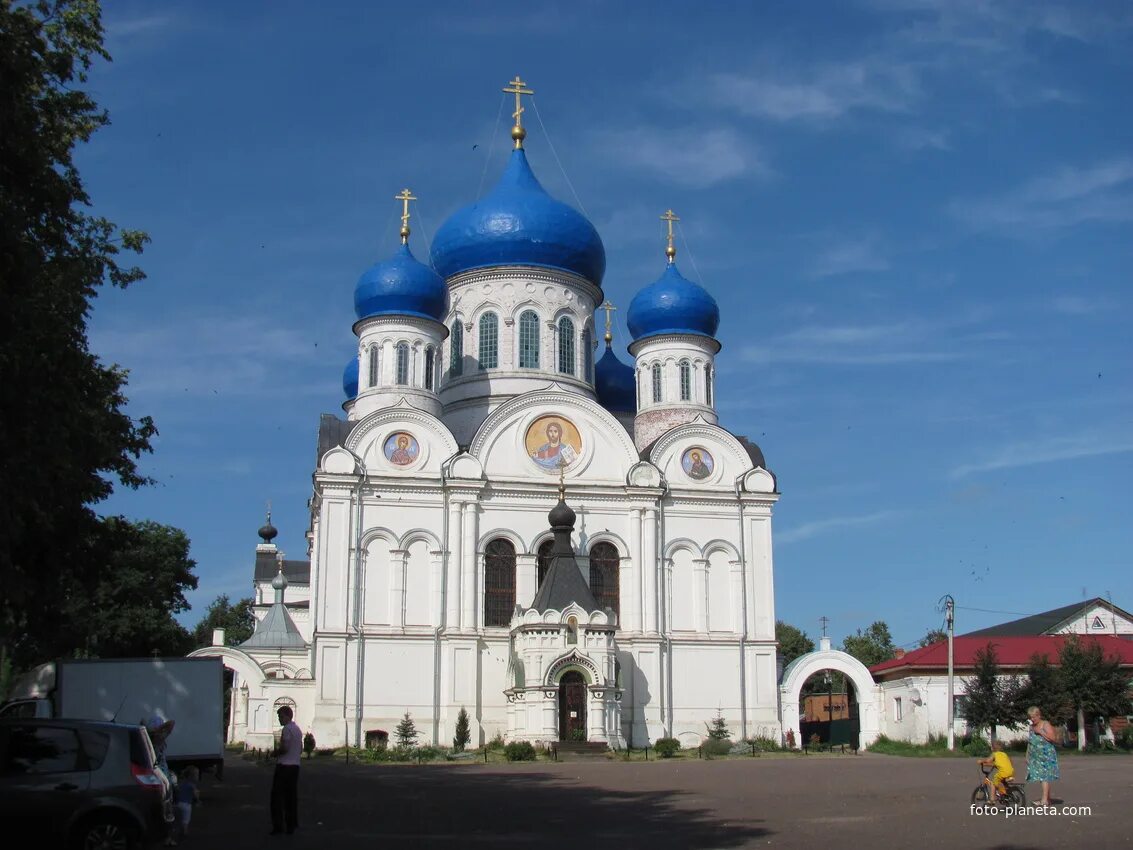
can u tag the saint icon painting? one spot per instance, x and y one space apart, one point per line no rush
697 463
401 449
552 441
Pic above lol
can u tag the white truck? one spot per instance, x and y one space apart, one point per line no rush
188 691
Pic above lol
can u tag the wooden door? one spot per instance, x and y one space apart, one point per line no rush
572 707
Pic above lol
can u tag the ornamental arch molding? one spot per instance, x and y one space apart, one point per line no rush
572 661
237 660
867 692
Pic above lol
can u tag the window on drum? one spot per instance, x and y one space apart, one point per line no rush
489 341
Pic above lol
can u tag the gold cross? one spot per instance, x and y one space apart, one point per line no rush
405 197
562 479
518 88
609 308
670 249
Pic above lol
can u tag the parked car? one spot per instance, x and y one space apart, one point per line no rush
80 784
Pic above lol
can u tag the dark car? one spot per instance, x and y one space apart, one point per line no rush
79 784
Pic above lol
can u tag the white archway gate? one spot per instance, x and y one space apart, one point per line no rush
802 668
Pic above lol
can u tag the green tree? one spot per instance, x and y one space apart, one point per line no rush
406 733
65 436
144 574
1041 686
237 620
1095 686
463 735
718 728
932 636
871 647
991 697
793 642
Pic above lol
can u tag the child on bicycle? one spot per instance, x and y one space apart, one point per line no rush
1003 771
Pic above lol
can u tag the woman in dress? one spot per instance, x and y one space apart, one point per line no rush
1042 758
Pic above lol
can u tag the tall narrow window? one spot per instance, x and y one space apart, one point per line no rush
403 363
604 564
656 382
542 562
489 341
529 340
499 582
708 385
430 365
686 380
456 349
373 365
566 346
587 357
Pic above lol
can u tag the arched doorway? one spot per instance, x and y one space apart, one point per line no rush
866 692
572 706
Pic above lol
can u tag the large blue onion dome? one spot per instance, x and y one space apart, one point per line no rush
350 379
519 224
615 384
401 286
673 304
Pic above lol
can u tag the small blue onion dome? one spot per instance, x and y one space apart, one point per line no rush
350 379
519 224
673 304
401 286
615 384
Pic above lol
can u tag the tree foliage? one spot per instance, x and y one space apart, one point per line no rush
992 698
406 732
65 434
237 620
793 642
1092 683
872 646
718 728
463 734
1041 686
932 636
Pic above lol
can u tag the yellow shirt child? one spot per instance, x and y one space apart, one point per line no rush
1004 771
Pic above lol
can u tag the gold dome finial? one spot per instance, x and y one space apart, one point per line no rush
405 197
609 308
562 479
518 88
670 249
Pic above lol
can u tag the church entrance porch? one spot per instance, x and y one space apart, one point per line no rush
572 707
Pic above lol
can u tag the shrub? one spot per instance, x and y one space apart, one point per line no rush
497 743
406 732
308 744
325 751
763 744
716 747
718 729
519 751
463 736
1125 738
666 748
978 747
427 753
577 735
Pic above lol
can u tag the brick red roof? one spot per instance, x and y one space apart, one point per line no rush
1009 652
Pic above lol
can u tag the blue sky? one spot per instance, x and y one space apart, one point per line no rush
915 215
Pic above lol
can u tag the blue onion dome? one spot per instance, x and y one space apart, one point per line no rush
350 379
615 384
401 286
673 304
519 224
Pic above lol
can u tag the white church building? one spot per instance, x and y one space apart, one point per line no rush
568 547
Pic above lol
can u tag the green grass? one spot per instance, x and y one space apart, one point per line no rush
937 747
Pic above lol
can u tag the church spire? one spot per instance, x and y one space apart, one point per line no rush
670 248
518 88
405 196
609 308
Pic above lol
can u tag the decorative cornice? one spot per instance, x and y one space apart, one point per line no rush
698 340
526 274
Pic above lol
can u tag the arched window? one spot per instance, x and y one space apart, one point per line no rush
489 341
529 340
430 365
686 380
656 382
499 582
542 562
403 363
604 563
566 346
456 349
373 365
587 356
708 385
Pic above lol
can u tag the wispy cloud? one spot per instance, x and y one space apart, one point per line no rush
923 139
824 526
1048 450
689 157
1067 196
845 256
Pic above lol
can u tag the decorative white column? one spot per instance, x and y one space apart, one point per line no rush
452 588
526 579
437 603
550 714
736 618
634 591
397 559
468 583
700 594
388 364
649 565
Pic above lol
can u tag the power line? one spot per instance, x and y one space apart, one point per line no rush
991 611
491 147
551 145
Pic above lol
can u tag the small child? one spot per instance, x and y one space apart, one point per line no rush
1004 771
185 796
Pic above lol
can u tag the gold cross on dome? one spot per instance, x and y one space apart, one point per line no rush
609 308
405 197
670 249
562 479
518 88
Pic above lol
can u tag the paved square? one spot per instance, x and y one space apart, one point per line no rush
847 801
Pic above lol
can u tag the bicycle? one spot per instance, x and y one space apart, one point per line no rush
985 791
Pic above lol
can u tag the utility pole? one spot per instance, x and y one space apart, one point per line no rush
949 611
